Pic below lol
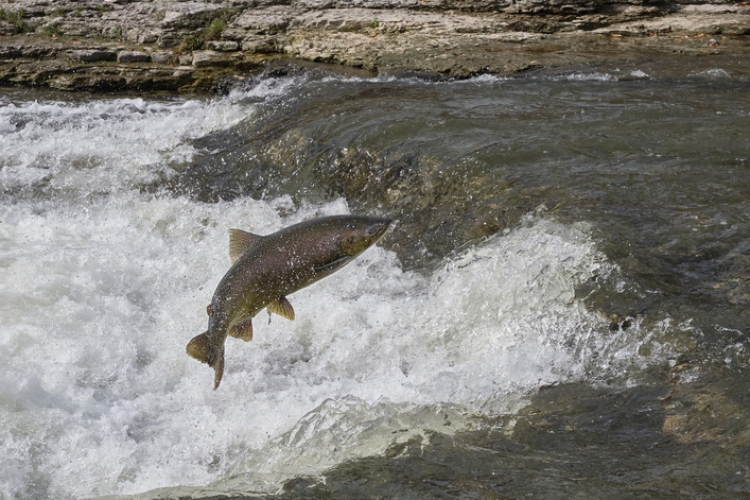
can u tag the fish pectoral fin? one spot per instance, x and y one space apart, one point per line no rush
209 309
242 330
281 307
239 242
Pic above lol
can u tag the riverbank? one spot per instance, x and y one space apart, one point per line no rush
194 47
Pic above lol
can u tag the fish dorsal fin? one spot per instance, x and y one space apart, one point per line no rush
239 242
281 307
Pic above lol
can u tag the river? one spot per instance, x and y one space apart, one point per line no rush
560 309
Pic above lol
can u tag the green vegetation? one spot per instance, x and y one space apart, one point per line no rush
15 18
52 30
60 12
191 43
216 25
212 31
102 8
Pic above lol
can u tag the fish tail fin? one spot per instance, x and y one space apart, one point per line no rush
200 349
218 369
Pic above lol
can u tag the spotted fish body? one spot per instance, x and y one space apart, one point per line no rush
268 268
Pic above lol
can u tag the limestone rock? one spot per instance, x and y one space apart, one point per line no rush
223 46
206 58
128 56
162 56
260 44
6 28
94 55
189 15
268 22
456 38
185 59
10 52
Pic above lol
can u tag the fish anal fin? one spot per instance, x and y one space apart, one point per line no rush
239 242
242 330
281 307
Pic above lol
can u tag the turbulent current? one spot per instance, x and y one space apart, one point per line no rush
564 285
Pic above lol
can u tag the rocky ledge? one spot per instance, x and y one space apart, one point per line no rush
168 45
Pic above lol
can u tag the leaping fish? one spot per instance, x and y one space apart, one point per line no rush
266 269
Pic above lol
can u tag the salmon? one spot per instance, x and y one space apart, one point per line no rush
267 269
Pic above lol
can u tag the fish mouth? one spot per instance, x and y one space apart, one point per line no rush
377 229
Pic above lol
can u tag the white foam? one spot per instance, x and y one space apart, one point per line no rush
101 145
639 74
267 89
587 77
409 353
98 301
483 79
98 391
711 74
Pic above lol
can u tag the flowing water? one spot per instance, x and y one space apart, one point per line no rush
559 311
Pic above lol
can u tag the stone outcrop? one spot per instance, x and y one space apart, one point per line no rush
189 45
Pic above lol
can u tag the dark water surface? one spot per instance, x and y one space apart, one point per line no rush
564 313
657 166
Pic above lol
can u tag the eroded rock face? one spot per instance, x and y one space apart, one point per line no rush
133 56
456 38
